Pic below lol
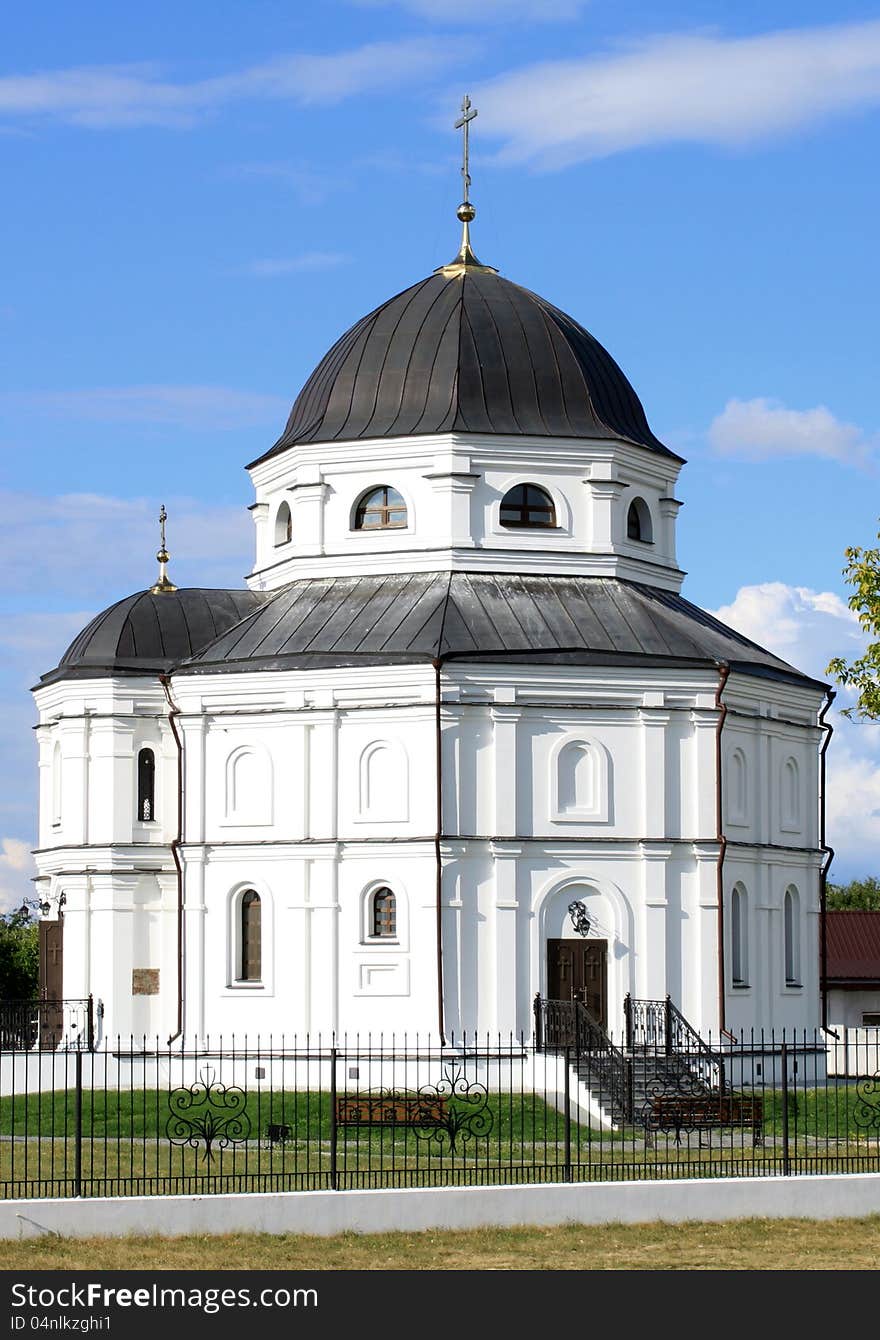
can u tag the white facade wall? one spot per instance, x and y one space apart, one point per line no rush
847 1007
315 787
453 485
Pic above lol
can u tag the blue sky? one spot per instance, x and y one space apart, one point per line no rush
199 198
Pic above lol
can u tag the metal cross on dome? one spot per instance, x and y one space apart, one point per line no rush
467 115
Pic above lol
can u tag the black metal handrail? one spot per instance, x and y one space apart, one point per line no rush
567 1025
658 1026
47 1024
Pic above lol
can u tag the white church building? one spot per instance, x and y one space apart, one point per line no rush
460 742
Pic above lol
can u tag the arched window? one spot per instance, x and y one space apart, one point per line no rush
791 796
383 922
739 936
56 785
791 937
250 946
638 522
283 525
527 506
146 810
738 799
380 509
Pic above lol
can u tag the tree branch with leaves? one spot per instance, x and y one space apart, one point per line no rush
862 573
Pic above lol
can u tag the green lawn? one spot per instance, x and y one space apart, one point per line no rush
128 1145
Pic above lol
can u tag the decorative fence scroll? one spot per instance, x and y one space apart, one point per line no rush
208 1112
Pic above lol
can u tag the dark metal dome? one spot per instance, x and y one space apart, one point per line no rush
467 352
150 634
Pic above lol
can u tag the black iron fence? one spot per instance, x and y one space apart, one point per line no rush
47 1024
275 1114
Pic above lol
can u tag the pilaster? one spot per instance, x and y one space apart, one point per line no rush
652 962
504 720
506 856
653 725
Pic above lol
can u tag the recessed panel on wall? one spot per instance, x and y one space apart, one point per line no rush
382 978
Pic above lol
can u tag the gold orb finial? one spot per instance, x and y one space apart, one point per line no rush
163 586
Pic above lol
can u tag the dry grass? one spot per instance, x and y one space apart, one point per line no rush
752 1244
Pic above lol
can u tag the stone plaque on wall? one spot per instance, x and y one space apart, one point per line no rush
145 981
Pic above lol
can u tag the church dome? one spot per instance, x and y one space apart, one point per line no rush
466 350
148 633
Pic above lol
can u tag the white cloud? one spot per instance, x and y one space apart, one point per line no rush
762 430
308 262
103 96
485 11
208 408
806 628
699 88
311 185
16 868
58 547
852 811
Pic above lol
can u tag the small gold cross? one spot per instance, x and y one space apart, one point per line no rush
467 115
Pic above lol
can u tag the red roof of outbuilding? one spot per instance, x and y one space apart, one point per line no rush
853 944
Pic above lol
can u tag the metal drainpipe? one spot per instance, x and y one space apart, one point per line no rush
438 859
174 711
826 726
724 672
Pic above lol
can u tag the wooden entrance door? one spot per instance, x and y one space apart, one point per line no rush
51 982
578 970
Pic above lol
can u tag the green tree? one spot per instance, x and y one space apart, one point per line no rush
862 572
19 956
859 895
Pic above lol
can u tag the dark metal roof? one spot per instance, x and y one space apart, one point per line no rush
853 947
149 634
469 353
348 621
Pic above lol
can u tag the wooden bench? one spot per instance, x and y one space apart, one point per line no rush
369 1109
702 1112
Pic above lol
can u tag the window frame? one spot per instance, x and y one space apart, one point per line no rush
362 508
639 508
287 537
57 784
371 942
247 932
234 983
145 749
739 938
791 948
379 936
525 507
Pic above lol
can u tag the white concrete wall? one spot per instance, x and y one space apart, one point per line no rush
326 1213
847 1008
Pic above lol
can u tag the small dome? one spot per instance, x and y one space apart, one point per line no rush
149 634
467 352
